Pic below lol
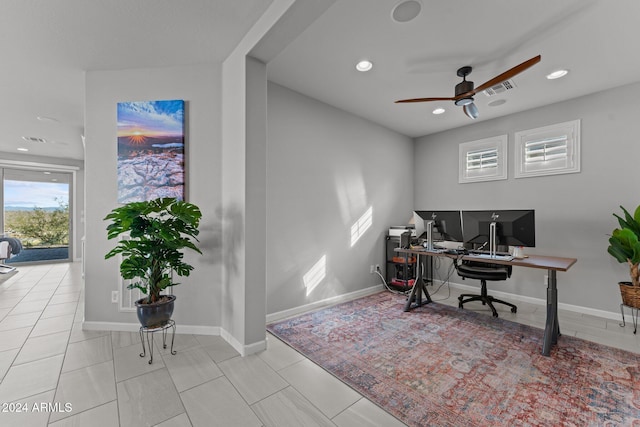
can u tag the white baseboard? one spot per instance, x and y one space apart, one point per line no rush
541 302
280 315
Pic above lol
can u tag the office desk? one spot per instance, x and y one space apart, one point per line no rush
550 263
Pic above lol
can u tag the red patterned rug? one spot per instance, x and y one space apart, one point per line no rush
441 366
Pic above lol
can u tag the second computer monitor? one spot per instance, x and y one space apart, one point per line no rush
513 227
446 225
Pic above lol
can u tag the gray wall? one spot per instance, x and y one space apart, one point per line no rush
325 168
198 302
573 211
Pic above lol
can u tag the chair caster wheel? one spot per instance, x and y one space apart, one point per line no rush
514 310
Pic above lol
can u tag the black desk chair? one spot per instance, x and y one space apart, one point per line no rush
483 271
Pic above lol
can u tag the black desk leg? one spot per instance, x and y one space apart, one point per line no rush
552 327
418 288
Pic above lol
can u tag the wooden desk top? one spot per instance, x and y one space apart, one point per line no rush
531 261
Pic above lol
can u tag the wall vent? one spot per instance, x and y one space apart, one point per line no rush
500 88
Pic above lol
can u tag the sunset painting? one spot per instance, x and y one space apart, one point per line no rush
150 150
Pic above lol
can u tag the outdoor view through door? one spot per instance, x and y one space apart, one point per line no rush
36 220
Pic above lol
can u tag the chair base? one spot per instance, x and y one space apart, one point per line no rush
486 300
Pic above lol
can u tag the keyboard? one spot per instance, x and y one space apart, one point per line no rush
500 257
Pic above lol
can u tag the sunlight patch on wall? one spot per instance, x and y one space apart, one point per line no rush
361 226
315 275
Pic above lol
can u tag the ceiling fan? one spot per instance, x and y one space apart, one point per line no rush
464 91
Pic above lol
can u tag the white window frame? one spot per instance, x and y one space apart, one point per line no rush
497 144
554 165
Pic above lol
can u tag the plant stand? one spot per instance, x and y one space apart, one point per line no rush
634 316
150 331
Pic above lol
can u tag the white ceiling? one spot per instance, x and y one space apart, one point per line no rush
47 46
596 39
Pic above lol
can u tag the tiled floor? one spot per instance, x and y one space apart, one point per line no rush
53 373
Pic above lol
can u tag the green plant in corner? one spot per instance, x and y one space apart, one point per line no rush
158 231
624 243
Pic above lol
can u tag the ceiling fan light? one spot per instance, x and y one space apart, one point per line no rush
464 101
438 111
471 110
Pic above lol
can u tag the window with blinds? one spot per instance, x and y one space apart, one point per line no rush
483 160
549 150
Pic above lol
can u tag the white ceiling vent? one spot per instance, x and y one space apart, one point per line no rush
500 88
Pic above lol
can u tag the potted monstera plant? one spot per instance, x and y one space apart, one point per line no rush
624 246
156 232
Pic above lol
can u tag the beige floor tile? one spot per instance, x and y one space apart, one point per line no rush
62 309
30 378
17 321
86 353
13 338
52 325
65 298
217 348
9 302
34 413
138 407
322 389
190 368
288 408
364 413
85 389
6 359
102 416
77 334
125 339
253 378
4 312
217 403
181 342
279 355
29 307
38 295
181 420
128 362
36 348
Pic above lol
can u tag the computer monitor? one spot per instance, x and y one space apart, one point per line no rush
438 226
512 228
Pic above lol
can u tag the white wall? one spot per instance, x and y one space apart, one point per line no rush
573 211
325 168
198 303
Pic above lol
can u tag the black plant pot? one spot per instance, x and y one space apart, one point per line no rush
156 314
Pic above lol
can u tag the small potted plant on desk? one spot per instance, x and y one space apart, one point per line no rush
624 246
158 230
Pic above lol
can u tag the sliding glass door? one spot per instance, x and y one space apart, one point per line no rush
35 215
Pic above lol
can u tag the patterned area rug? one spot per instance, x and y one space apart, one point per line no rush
441 366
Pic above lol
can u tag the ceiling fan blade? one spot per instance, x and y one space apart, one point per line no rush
402 101
502 77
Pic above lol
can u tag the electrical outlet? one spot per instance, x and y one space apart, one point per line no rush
371 269
377 267
114 296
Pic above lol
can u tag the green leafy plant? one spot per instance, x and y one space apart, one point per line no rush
159 230
624 243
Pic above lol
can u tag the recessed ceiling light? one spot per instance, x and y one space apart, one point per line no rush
46 173
48 119
438 110
406 11
496 102
557 74
22 149
364 65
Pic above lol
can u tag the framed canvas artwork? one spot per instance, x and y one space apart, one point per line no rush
151 149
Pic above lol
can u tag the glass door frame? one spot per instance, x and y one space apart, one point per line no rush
44 167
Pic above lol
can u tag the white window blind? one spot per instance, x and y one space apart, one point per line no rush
483 160
549 150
